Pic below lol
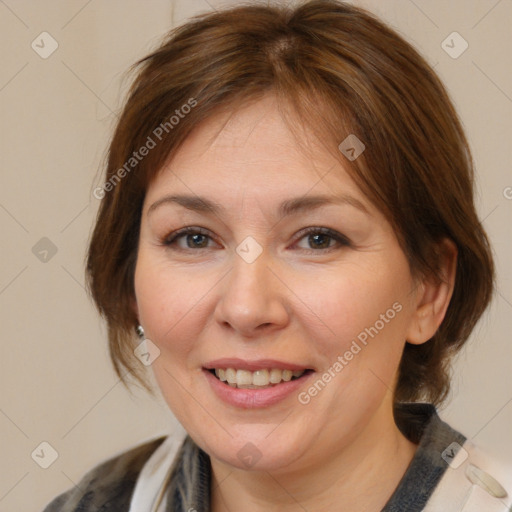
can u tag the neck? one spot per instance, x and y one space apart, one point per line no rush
360 477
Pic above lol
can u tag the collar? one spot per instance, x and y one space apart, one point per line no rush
177 477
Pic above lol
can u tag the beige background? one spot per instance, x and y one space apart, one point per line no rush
57 114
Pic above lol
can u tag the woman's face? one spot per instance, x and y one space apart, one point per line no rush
286 267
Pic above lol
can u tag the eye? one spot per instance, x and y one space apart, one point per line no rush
194 238
323 239
319 239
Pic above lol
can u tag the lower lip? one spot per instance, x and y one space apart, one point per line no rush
254 398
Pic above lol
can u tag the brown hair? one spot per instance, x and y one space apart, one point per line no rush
339 71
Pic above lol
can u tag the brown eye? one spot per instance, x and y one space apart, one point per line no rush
322 239
194 239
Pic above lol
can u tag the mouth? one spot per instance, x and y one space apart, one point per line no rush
255 384
259 379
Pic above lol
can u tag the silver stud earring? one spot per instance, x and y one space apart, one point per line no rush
140 332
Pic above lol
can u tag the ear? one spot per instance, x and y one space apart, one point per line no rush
433 296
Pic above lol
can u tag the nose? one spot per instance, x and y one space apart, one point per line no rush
253 299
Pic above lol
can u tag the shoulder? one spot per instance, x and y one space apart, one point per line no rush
109 485
468 477
448 471
474 479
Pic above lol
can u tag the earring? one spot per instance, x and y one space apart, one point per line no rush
140 331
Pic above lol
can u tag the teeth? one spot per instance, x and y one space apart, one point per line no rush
258 379
243 378
231 375
275 376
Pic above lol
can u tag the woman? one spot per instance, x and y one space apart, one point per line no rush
287 222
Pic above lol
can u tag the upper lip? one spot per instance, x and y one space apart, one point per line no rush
257 364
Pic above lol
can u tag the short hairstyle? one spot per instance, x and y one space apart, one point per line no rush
337 70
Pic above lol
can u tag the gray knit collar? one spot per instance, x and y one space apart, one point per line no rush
190 485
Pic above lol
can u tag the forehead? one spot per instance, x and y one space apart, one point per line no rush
252 151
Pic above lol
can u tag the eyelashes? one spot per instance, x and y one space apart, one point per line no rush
317 234
171 239
321 239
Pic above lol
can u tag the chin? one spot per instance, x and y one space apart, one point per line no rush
253 449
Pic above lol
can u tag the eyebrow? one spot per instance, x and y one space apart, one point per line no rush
286 208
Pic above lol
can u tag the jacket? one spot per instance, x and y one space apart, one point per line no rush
172 474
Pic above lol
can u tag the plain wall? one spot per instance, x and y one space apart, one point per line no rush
57 116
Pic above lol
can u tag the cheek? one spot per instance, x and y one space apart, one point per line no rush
168 303
355 302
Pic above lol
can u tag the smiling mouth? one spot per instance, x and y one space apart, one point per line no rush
259 379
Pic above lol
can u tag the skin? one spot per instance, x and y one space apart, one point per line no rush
303 300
